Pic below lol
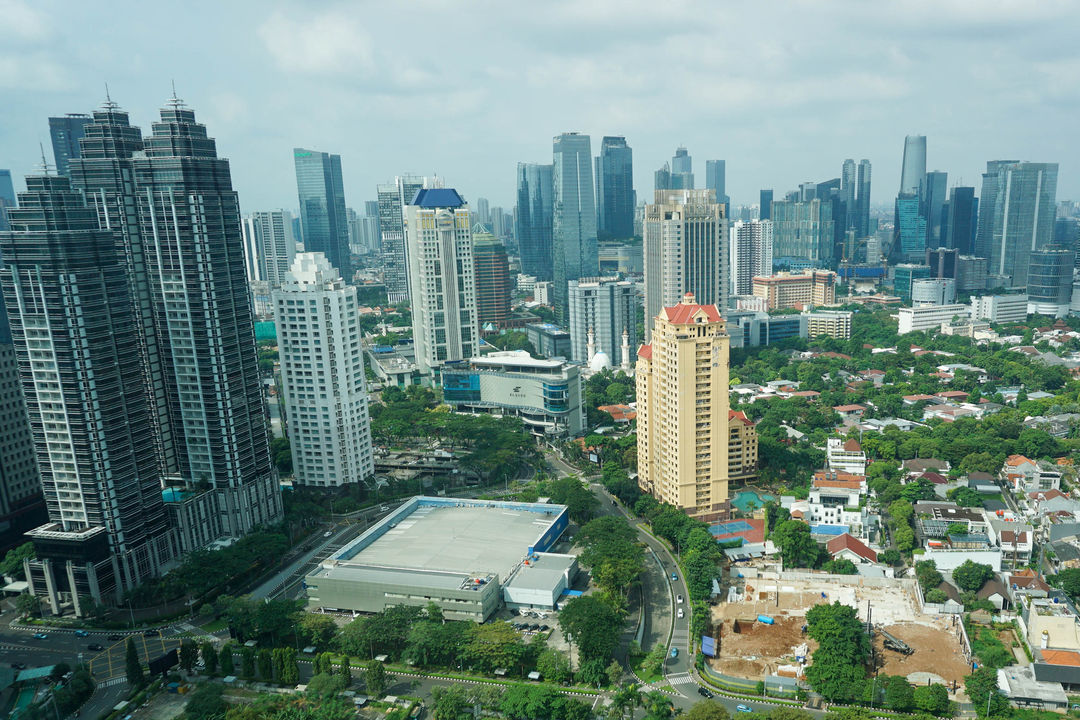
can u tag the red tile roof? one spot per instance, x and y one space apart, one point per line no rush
736 415
685 311
936 478
836 355
805 393
852 445
619 413
949 394
1017 460
848 408
645 351
847 542
1061 657
1047 494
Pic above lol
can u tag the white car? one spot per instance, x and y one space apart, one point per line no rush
678 599
680 613
328 533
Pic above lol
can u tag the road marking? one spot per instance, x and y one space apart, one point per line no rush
681 679
113 681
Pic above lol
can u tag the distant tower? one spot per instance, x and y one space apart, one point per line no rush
574 216
590 346
913 172
625 351
322 207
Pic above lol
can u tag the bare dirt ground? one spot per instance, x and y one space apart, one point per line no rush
937 651
749 648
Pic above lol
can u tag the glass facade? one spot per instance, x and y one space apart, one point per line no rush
615 188
66 132
574 216
1050 276
910 240
535 206
322 207
1016 215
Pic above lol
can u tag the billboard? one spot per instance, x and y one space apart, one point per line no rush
708 646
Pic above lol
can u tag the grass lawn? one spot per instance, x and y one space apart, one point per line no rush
641 673
214 625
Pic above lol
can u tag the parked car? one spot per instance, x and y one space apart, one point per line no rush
680 613
95 647
81 633
534 627
743 708
678 599
114 638
704 692
150 632
674 652
40 636
328 533
544 628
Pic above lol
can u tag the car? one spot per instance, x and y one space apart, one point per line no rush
674 577
744 708
150 632
534 627
40 636
704 692
544 628
678 599
114 638
95 647
81 633
384 508
674 652
680 613
328 533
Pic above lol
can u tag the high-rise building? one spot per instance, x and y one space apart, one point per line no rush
803 230
682 170
862 201
961 220
716 180
574 216
942 262
933 291
933 202
322 207
66 132
393 197
904 274
682 410
78 356
269 234
913 171
322 375
190 224
7 197
22 505
483 211
602 308
371 208
1016 215
615 189
442 278
1050 280
765 205
970 273
492 280
535 209
910 232
848 188
662 178
751 254
686 251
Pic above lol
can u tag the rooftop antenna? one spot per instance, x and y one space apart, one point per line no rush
109 104
44 162
175 102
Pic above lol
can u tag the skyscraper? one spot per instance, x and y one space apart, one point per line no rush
765 205
322 375
602 308
716 180
7 197
682 409
803 231
190 222
910 233
848 186
322 207
686 251
1016 215
483 211
107 530
751 254
913 171
615 188
274 242
682 170
535 207
1050 280
66 132
961 220
862 201
393 197
442 278
574 216
933 202
492 280
662 178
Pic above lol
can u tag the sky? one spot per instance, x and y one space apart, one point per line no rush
783 91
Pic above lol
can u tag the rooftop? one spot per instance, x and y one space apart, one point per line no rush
542 572
438 198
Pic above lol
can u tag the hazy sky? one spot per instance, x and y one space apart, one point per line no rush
465 89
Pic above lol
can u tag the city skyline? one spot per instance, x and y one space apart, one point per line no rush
257 93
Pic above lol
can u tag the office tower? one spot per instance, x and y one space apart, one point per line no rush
1016 215
364 233
913 171
66 132
662 178
682 409
322 207
831 193
22 506
322 375
970 273
765 202
573 226
190 221
393 197
483 212
78 356
499 224
862 201
492 280
910 238
253 263
442 278
788 290
848 187
716 180
535 208
904 274
273 243
7 197
602 308
933 201
682 170
371 208
615 189
961 220
803 231
686 251
751 254
942 262
1050 280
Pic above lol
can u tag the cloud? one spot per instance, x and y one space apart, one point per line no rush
20 21
327 43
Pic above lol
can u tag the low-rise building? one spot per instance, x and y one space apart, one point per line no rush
742 447
1026 475
1000 308
548 340
829 323
845 455
928 317
788 290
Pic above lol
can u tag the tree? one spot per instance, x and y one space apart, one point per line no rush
614 673
936 596
898 694
225 659
375 679
971 576
981 686
838 670
593 625
654 661
209 657
135 676
933 699
325 685
493 645
247 663
450 702
1069 581
554 665
12 564
315 628
206 702
266 665
189 653
928 575
797 547
28 605
840 566
707 710
346 670
277 656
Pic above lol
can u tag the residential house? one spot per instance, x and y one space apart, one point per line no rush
995 592
920 465
1027 475
834 500
845 455
850 412
847 547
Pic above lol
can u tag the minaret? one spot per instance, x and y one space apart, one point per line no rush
625 351
590 347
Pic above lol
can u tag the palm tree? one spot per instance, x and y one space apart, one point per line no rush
624 701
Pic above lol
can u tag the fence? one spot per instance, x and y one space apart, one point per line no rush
748 685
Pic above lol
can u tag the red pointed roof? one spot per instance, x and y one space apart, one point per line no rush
852 445
847 542
685 311
740 416
645 351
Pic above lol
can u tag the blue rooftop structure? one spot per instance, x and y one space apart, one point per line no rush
438 198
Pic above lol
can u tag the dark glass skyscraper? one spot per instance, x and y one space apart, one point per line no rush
909 242
961 219
716 180
913 171
933 202
7 197
574 218
1016 215
535 206
848 187
615 188
765 205
682 170
322 207
66 132
65 288
1050 280
862 200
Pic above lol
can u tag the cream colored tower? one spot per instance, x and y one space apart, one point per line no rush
682 406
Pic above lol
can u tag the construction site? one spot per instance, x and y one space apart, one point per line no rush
761 630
